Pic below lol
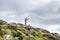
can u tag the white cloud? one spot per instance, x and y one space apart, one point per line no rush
7 15
12 16
52 28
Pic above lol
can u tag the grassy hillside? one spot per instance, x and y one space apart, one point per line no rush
25 32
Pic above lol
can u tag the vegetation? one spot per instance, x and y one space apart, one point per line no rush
25 32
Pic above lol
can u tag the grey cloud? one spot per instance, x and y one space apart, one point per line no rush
49 14
44 15
52 21
9 5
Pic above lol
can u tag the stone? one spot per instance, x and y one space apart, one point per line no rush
7 37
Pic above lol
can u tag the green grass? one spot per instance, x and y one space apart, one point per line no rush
25 32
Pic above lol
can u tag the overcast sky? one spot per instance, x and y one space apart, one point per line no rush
42 13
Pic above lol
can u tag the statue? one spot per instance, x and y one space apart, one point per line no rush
26 20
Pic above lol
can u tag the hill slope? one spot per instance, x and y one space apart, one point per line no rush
25 32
